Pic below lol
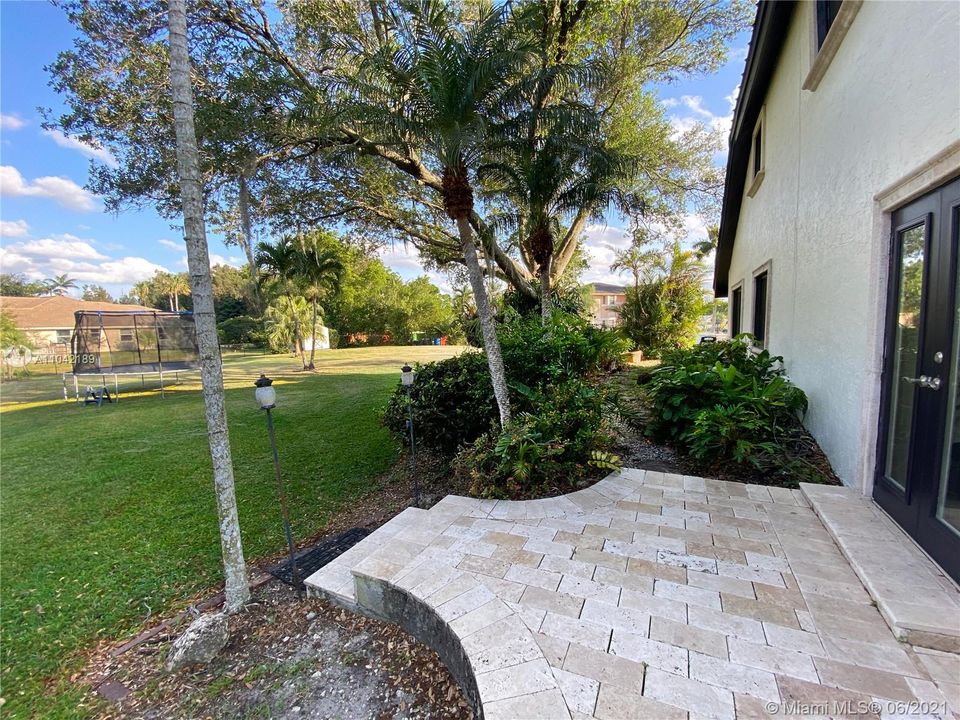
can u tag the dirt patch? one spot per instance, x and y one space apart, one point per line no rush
287 658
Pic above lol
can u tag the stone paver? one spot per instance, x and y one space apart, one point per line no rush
651 595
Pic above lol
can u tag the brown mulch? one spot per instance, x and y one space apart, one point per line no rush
287 658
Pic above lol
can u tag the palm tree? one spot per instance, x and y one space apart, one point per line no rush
439 93
179 285
237 590
321 272
59 284
280 264
143 291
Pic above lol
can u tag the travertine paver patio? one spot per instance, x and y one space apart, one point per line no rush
648 595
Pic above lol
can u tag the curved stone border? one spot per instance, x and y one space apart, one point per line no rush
482 641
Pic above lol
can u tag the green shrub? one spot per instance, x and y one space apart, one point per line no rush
453 399
724 401
453 403
241 330
567 347
545 451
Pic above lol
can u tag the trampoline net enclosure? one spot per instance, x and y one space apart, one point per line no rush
135 342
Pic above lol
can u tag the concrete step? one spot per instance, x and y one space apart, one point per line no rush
916 598
334 581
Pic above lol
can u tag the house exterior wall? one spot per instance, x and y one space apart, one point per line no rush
888 103
603 313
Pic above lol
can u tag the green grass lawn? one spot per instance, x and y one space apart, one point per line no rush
108 514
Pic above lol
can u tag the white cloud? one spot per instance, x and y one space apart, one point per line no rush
63 190
601 242
698 114
215 260
88 149
11 122
64 246
82 265
125 270
13 228
600 245
170 244
404 259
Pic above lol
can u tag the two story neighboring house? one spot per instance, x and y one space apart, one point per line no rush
838 243
605 300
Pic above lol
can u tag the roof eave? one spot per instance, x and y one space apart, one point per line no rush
770 29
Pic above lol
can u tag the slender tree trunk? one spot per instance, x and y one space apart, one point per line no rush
546 301
297 335
492 346
246 231
313 335
237 590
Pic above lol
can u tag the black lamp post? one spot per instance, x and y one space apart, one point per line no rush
406 379
267 400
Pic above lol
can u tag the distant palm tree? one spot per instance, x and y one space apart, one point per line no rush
321 272
143 292
59 284
280 264
178 285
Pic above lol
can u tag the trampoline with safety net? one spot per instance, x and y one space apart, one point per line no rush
129 343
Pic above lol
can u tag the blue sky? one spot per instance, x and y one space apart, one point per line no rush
50 225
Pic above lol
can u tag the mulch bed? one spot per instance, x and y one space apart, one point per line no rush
287 658
639 451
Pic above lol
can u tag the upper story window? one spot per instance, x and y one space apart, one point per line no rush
830 21
827 11
758 154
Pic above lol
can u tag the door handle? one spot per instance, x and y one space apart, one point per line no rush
924 381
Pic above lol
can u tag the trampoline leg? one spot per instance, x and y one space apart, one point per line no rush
76 388
64 379
161 385
116 388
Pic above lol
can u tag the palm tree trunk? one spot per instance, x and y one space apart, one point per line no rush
237 590
546 301
492 346
313 335
297 335
246 233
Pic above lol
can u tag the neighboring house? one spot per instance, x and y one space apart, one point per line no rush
839 240
605 300
49 320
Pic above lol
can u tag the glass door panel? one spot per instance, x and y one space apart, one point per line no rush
948 499
903 386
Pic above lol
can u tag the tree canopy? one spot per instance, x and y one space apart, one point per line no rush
278 93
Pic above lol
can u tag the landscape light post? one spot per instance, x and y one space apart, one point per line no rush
267 400
406 379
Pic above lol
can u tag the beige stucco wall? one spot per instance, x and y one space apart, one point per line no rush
889 101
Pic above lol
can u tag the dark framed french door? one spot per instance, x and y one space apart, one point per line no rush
918 454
